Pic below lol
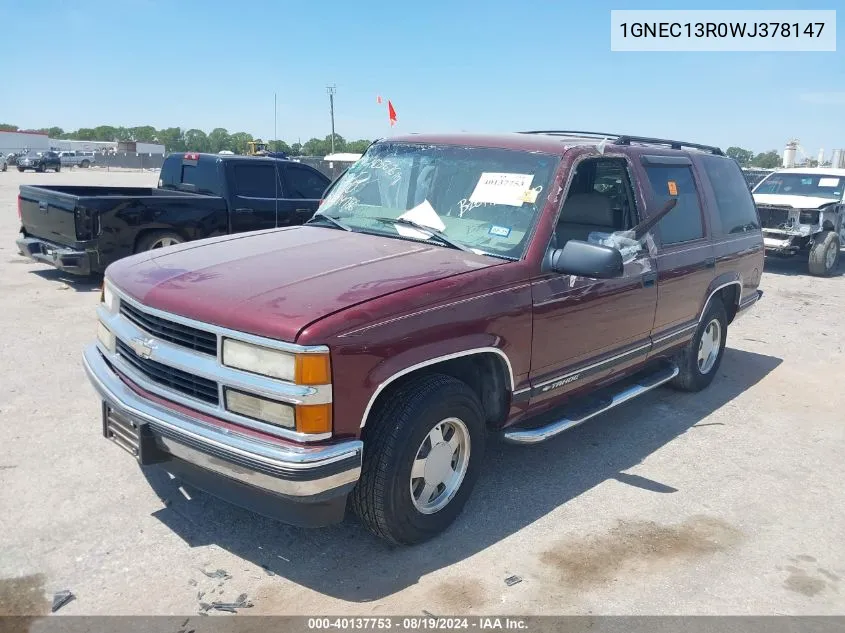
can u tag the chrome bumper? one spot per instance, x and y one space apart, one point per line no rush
299 472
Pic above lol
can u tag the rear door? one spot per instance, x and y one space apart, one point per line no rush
255 195
304 188
685 260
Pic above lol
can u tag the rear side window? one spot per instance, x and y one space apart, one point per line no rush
683 223
256 180
305 183
200 176
733 199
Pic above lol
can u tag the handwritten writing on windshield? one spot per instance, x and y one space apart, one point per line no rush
465 206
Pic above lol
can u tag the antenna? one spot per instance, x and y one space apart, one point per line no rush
331 90
276 164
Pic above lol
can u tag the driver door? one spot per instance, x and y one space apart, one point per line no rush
585 329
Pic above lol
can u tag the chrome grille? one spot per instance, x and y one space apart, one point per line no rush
176 379
171 331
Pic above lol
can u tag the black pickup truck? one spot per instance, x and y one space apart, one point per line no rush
81 230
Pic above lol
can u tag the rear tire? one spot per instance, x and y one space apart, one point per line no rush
158 239
824 256
428 433
700 359
58 168
85 164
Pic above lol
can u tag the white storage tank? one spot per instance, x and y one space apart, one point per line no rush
789 155
838 159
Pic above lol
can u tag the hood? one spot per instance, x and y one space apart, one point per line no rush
275 283
797 202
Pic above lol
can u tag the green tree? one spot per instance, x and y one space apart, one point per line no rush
281 146
219 140
296 149
8 127
87 134
239 141
742 156
172 139
358 147
767 160
196 141
143 134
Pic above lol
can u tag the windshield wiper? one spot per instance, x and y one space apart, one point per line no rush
440 235
319 217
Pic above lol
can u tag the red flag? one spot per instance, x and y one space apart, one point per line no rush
378 99
391 113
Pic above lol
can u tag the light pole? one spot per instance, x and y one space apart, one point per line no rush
331 90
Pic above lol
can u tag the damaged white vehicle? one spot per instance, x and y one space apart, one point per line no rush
801 212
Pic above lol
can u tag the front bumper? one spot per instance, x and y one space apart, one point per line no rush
299 485
64 258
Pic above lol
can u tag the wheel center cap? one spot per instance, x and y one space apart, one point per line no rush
438 464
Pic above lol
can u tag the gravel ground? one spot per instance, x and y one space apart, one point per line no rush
725 502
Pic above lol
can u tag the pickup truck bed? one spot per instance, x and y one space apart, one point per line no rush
83 229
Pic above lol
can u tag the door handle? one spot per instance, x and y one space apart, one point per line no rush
244 210
303 211
649 279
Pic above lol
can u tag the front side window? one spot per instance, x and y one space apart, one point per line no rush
683 223
256 180
305 183
484 199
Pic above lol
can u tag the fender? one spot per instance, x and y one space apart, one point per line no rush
720 282
395 367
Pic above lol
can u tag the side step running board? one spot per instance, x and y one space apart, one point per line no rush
543 433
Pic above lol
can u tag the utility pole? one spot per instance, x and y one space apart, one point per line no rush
275 134
331 90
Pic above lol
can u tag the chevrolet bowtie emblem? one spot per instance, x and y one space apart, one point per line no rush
143 346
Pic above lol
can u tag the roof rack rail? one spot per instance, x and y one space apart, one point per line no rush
627 139
576 133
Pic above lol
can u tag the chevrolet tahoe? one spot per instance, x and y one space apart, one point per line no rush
449 289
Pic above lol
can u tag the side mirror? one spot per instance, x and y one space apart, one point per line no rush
587 260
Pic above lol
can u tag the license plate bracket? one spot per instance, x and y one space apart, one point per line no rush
133 436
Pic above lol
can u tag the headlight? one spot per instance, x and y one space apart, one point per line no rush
108 298
105 336
302 369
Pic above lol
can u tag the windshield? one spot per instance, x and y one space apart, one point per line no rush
810 185
484 199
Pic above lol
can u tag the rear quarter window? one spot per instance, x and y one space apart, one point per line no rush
201 176
683 223
734 201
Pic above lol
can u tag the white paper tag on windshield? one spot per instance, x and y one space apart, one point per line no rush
502 188
423 214
828 182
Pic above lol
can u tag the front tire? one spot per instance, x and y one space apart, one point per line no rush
700 359
21 169
824 256
424 449
85 164
58 168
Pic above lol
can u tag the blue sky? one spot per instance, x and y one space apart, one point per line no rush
446 65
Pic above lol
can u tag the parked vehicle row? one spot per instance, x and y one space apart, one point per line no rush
448 289
83 229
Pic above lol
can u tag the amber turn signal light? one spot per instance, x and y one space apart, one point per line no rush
313 369
314 418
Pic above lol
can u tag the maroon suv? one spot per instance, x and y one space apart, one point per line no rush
449 288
